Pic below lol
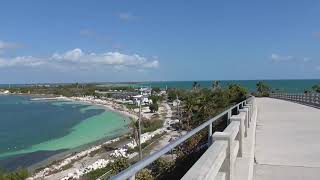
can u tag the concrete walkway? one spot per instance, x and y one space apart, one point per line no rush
287 141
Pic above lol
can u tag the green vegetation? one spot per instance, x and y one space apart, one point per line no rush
162 165
155 90
69 90
263 90
147 143
96 173
144 174
201 104
146 126
151 125
198 105
131 106
155 100
20 174
316 88
119 165
65 167
153 107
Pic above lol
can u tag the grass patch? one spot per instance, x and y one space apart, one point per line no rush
147 143
151 125
131 106
68 166
96 173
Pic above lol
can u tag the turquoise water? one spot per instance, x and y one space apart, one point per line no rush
39 126
289 85
284 85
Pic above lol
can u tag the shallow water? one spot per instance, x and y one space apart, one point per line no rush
27 126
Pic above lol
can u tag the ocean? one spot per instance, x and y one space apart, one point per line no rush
283 85
31 131
288 85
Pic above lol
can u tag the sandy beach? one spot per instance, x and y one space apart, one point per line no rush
81 162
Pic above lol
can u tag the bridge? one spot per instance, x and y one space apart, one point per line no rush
272 138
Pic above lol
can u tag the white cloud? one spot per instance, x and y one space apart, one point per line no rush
126 16
152 64
27 61
277 57
8 45
72 55
77 59
288 58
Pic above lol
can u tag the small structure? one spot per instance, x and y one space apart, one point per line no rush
144 100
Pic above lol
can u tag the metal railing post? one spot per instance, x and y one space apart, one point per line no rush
209 135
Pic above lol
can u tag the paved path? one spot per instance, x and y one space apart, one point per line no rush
287 141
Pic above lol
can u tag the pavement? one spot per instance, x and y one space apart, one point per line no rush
287 141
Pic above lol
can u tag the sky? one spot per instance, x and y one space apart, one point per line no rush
43 41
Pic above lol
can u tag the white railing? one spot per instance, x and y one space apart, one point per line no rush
239 121
305 98
219 160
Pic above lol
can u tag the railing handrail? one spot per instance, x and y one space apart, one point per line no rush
312 99
132 170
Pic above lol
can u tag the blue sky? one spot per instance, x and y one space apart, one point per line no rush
90 41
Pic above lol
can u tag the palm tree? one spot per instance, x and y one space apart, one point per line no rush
216 86
263 89
134 125
194 85
190 105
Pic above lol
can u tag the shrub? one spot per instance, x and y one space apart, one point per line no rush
151 125
119 165
154 107
19 174
144 174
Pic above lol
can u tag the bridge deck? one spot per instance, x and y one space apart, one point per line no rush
287 141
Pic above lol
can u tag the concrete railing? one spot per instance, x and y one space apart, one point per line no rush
219 160
312 99
226 144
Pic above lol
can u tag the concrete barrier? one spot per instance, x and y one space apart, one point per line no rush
227 145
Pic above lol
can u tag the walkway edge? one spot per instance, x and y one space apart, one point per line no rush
245 164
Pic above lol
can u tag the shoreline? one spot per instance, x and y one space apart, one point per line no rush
85 148
107 104
53 167
101 160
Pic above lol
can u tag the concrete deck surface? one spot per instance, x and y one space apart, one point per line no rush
287 141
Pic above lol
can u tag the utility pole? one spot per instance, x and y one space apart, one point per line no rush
178 109
140 151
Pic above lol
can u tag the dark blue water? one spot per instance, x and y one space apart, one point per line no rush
283 85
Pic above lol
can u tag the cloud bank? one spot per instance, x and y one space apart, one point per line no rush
126 16
8 45
80 60
285 58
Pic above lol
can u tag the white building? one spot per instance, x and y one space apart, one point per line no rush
144 100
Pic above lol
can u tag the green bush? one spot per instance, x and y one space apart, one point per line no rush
154 107
119 165
20 174
263 89
144 174
97 173
316 88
